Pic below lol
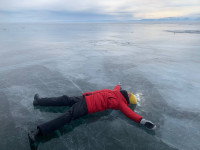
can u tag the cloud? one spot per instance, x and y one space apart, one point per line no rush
118 9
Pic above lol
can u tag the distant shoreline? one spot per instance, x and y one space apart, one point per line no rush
136 22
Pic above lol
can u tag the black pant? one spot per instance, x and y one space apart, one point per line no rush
78 109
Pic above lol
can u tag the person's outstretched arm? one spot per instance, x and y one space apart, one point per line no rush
129 113
117 88
135 117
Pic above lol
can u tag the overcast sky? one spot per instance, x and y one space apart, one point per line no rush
89 10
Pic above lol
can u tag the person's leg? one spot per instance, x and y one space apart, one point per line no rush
55 101
79 109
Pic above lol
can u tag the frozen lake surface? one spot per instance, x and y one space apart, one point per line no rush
160 63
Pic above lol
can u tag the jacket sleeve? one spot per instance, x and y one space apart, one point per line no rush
129 113
117 88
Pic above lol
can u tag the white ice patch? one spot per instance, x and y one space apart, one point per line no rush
20 95
140 98
21 105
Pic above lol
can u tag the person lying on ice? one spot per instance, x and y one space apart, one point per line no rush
89 102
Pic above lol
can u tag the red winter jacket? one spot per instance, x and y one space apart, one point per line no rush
109 99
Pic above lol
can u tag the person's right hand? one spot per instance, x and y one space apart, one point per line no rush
148 124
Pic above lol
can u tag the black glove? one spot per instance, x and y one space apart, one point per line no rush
148 124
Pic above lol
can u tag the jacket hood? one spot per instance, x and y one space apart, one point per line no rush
125 94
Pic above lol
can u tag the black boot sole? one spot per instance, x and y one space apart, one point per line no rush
31 137
36 98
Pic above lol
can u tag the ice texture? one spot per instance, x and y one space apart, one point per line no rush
161 68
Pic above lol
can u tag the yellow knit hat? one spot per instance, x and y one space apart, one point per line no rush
132 99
